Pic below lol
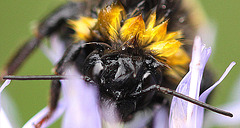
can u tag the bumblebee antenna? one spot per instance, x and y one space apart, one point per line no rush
194 101
35 77
184 97
153 87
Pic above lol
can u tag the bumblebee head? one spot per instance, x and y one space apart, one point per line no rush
119 75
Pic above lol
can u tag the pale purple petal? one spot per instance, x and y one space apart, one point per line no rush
161 117
40 115
82 103
5 84
205 94
3 118
200 57
199 60
184 114
233 107
178 109
56 50
4 122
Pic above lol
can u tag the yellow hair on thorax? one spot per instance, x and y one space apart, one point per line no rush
83 27
150 36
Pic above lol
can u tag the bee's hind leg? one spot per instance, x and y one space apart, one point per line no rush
50 25
55 94
68 58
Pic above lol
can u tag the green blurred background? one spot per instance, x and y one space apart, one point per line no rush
17 20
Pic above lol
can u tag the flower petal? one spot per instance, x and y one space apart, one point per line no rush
4 85
205 94
56 50
183 113
4 122
40 115
233 107
82 103
200 57
178 111
161 117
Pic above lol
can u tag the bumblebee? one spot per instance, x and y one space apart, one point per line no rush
123 46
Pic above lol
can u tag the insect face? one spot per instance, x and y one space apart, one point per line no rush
121 74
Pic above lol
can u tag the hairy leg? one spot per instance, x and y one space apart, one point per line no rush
49 25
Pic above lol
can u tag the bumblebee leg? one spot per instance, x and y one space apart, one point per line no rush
69 56
20 56
77 53
51 24
55 93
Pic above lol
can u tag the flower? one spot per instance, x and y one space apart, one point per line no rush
232 106
56 49
4 121
82 103
184 114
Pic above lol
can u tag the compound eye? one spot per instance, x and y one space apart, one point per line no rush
148 79
96 70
